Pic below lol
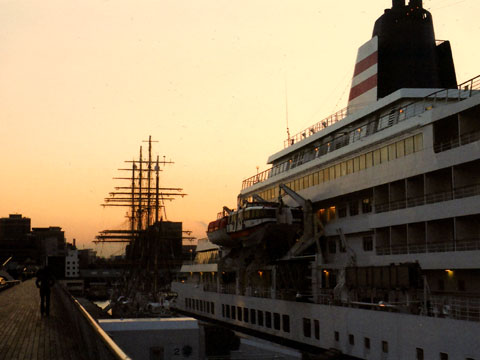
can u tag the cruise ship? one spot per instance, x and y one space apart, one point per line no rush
388 263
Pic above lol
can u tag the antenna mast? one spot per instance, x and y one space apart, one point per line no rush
286 111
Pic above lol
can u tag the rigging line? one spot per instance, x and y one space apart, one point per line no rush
343 94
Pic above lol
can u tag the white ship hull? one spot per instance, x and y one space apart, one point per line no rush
391 335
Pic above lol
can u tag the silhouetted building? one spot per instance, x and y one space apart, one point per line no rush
72 268
14 238
50 241
86 257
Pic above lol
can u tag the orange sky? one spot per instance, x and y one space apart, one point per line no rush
84 82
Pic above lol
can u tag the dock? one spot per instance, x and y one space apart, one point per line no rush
67 334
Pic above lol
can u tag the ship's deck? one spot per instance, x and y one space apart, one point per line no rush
25 334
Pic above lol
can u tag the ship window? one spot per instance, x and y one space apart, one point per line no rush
245 315
461 285
212 308
286 323
253 318
356 164
400 148
234 312
223 310
351 339
384 154
331 173
350 166
342 210
362 162
367 243
338 170
316 328
353 207
443 356
392 152
227 308
366 342
332 211
418 142
369 160
311 181
337 336
343 168
260 317
385 347
315 179
268 319
420 354
366 205
307 327
326 175
239 313
376 157
276 321
409 146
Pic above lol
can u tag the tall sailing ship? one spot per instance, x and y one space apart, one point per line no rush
387 265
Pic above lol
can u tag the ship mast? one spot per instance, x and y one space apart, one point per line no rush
142 197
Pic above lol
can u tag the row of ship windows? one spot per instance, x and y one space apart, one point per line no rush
200 305
272 320
387 153
257 317
366 343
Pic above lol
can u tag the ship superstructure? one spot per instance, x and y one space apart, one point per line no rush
388 265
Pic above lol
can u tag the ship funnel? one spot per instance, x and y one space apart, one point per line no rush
398 4
402 54
416 4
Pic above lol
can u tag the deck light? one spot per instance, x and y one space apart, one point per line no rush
449 272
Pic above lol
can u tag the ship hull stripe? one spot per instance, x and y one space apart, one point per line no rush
372 70
363 87
364 64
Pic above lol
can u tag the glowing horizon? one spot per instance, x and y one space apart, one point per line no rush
84 83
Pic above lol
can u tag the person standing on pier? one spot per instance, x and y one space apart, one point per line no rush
44 282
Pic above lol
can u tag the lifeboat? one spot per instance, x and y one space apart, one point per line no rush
256 223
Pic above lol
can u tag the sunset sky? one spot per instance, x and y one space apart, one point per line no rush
83 83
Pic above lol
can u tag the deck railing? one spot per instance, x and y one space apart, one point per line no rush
453 307
459 193
446 246
328 121
456 142
464 91
95 341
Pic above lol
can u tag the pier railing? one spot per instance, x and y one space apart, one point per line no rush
439 97
94 339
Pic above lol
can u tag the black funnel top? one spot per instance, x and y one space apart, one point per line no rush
408 56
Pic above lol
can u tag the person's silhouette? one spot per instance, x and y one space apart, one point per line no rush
44 282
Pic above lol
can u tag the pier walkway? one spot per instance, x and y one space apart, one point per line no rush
25 334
